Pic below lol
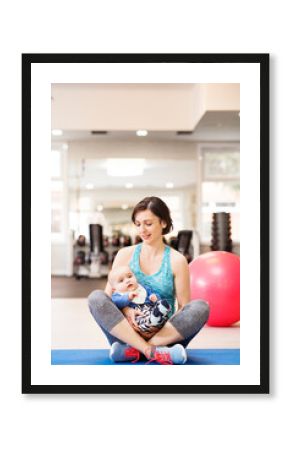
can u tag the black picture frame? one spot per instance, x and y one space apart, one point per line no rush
233 58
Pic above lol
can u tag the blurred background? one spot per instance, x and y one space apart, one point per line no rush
114 144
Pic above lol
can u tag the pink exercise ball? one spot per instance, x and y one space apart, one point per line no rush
215 278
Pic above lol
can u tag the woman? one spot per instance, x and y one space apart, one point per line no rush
166 271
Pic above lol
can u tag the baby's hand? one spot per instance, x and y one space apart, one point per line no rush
132 295
153 297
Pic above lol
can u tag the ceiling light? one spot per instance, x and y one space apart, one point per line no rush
100 207
64 146
141 133
56 132
125 167
169 185
124 207
129 185
89 186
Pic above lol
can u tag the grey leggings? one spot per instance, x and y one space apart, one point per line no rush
188 321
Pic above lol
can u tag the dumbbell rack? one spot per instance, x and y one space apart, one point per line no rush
221 232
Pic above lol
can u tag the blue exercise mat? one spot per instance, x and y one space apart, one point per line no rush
101 357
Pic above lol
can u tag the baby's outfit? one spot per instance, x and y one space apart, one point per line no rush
155 314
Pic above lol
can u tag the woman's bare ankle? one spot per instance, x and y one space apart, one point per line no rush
149 351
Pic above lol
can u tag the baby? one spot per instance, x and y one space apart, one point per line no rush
126 291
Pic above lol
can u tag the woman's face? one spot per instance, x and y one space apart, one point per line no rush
149 226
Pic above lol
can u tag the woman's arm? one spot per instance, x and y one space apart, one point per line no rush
122 259
181 279
108 290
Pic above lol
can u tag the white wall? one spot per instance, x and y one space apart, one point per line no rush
62 257
221 96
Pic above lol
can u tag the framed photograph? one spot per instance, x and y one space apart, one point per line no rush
145 223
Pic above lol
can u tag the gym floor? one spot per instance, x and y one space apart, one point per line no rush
69 307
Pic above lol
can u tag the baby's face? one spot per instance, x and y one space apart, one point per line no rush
125 281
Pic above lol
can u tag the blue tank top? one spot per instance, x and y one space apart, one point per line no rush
161 282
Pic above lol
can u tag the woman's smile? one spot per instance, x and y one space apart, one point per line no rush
145 236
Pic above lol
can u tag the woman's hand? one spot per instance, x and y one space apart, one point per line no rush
131 314
148 336
182 279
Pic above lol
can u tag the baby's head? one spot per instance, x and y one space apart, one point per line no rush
122 279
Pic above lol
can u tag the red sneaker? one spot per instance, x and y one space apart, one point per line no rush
132 352
123 352
169 355
161 358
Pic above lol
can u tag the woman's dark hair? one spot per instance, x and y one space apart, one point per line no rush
158 208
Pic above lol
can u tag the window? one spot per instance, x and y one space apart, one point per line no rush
221 164
57 195
56 164
220 188
56 206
